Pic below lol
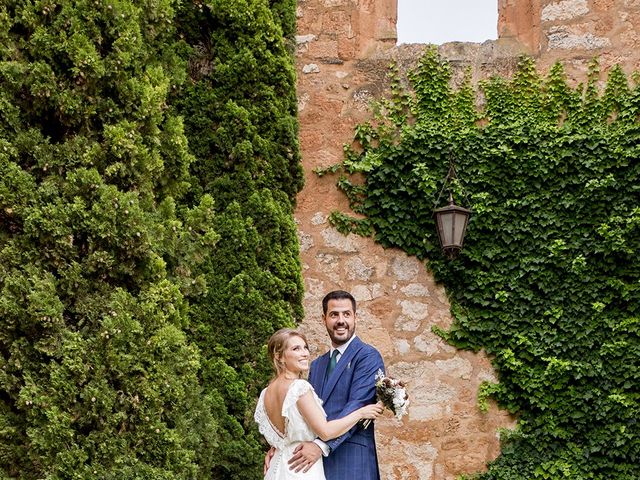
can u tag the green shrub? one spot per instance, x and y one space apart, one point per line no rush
240 112
98 378
149 163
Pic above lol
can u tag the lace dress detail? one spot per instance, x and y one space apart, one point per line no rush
296 431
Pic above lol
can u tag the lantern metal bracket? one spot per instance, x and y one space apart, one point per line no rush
451 175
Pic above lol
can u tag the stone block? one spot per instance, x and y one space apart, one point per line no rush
336 22
303 39
334 3
318 218
406 324
306 241
604 5
394 464
465 456
457 367
415 290
431 344
334 239
564 10
402 346
303 100
562 38
430 401
323 49
310 68
315 290
422 345
405 268
414 310
327 265
363 293
356 269
347 47
385 29
441 295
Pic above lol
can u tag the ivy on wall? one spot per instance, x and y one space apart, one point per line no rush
549 280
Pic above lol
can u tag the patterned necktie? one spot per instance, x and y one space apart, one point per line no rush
332 362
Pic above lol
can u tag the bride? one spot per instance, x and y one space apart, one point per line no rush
290 412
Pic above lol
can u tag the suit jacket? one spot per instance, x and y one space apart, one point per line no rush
350 386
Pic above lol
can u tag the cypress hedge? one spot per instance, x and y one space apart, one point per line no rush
148 167
240 114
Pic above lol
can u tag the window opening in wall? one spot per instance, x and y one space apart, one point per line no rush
442 21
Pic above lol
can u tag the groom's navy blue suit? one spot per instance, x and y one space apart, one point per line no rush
350 386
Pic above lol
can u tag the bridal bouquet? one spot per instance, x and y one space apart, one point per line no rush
392 394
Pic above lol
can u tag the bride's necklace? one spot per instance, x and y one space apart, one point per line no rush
290 378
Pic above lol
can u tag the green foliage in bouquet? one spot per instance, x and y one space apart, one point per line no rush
240 112
548 282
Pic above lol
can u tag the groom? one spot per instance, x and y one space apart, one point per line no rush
344 378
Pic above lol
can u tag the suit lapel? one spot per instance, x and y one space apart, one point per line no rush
343 364
318 378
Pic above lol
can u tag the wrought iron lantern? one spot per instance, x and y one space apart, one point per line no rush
451 222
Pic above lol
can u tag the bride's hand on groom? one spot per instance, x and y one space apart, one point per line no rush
371 412
304 456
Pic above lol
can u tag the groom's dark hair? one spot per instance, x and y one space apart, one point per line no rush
337 295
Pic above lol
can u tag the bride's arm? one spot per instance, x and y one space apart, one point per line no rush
316 419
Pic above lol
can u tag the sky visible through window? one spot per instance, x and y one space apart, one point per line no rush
441 21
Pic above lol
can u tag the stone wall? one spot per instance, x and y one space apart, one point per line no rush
343 50
575 31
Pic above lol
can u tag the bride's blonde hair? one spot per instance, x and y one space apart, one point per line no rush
277 345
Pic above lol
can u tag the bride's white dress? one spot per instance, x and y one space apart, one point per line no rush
296 430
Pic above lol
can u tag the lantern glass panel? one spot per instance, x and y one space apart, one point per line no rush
446 228
458 228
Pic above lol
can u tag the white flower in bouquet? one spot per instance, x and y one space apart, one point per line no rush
393 395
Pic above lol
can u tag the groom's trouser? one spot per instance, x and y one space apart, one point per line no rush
352 460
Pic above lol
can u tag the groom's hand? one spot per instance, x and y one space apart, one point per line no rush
304 456
267 460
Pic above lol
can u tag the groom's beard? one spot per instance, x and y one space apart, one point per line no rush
342 338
